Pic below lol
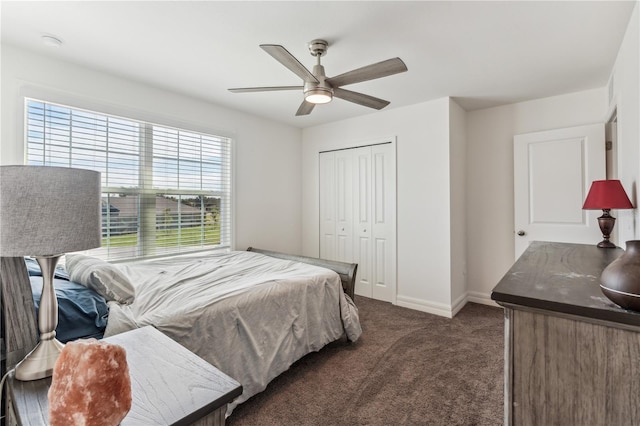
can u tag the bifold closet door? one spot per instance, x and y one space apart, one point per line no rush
336 205
383 215
328 206
357 215
344 205
374 221
362 218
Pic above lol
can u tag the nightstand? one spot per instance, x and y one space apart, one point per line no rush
169 386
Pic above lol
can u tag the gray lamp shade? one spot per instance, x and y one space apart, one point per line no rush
48 210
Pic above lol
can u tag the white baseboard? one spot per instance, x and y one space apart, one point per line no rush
442 309
459 304
482 298
435 308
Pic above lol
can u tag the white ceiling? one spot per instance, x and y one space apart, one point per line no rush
482 53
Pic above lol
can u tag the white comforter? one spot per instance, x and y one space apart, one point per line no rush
250 315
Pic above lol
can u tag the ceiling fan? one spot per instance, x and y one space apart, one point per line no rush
318 88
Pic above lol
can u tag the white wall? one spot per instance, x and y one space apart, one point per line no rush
423 199
490 221
267 171
490 217
459 211
626 98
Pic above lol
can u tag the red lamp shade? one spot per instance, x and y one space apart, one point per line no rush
605 195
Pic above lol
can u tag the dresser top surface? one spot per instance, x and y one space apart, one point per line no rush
565 278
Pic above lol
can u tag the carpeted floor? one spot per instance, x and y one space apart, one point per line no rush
408 368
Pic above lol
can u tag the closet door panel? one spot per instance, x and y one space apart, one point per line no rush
344 205
362 220
327 206
380 261
363 278
383 224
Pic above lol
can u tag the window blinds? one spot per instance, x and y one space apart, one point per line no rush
165 190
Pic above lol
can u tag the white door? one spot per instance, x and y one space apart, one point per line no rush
374 210
362 220
344 205
328 206
553 171
383 221
358 215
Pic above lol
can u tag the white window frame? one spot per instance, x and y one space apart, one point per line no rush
144 117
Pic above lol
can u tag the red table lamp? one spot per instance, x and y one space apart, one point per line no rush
606 195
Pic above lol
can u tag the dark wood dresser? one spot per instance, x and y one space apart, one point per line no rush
572 357
169 386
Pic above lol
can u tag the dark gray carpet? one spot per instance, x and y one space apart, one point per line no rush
408 368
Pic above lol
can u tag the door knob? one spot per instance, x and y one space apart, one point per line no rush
521 233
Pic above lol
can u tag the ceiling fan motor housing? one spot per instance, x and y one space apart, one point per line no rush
320 92
318 47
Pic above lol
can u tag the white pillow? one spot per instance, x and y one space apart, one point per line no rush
101 277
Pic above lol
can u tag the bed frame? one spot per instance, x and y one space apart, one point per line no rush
346 271
18 324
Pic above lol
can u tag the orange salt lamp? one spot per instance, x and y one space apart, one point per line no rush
90 385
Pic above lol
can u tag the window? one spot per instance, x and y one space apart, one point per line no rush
164 190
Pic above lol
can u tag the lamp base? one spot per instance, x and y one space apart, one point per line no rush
39 363
606 244
606 222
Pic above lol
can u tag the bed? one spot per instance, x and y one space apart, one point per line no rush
266 310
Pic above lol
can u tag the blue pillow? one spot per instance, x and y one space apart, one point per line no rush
33 267
82 313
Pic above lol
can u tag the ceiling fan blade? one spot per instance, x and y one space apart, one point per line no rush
360 98
283 56
264 89
370 72
305 108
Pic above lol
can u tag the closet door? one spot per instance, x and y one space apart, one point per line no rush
362 220
344 205
383 222
327 206
357 215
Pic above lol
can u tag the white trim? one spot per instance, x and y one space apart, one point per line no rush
481 298
233 197
356 143
435 308
612 93
458 304
442 309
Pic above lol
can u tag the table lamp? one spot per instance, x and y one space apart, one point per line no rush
46 212
606 195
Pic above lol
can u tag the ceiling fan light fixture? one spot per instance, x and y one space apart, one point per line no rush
318 96
317 88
